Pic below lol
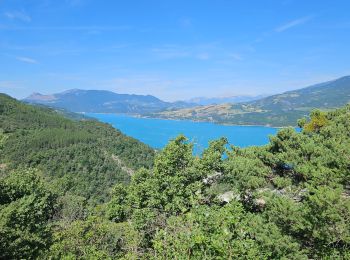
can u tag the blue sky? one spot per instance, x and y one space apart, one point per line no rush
172 49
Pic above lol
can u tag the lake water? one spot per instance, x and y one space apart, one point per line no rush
157 132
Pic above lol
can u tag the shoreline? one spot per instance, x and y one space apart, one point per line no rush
189 120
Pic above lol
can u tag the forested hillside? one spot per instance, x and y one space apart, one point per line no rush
289 199
82 157
277 110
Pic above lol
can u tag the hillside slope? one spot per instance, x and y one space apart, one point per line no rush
289 199
277 110
203 101
102 101
83 157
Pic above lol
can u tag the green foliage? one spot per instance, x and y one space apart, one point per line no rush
223 233
212 157
289 199
327 214
71 208
80 161
84 157
282 182
116 207
26 208
318 120
94 238
245 171
171 188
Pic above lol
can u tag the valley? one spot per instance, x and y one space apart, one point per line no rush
78 187
174 130
275 111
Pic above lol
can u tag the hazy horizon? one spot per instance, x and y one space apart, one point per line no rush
186 99
172 50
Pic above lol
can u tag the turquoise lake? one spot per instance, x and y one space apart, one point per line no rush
157 132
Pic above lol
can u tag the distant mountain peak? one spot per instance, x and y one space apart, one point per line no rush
104 101
40 97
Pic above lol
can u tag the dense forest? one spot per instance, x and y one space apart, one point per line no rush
83 157
82 190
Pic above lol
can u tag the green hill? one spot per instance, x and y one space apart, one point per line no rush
84 157
277 110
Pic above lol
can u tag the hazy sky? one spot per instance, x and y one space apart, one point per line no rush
172 49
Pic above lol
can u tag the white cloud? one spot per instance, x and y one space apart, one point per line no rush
18 15
27 60
293 23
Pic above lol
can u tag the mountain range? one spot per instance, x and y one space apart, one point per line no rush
103 101
276 110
